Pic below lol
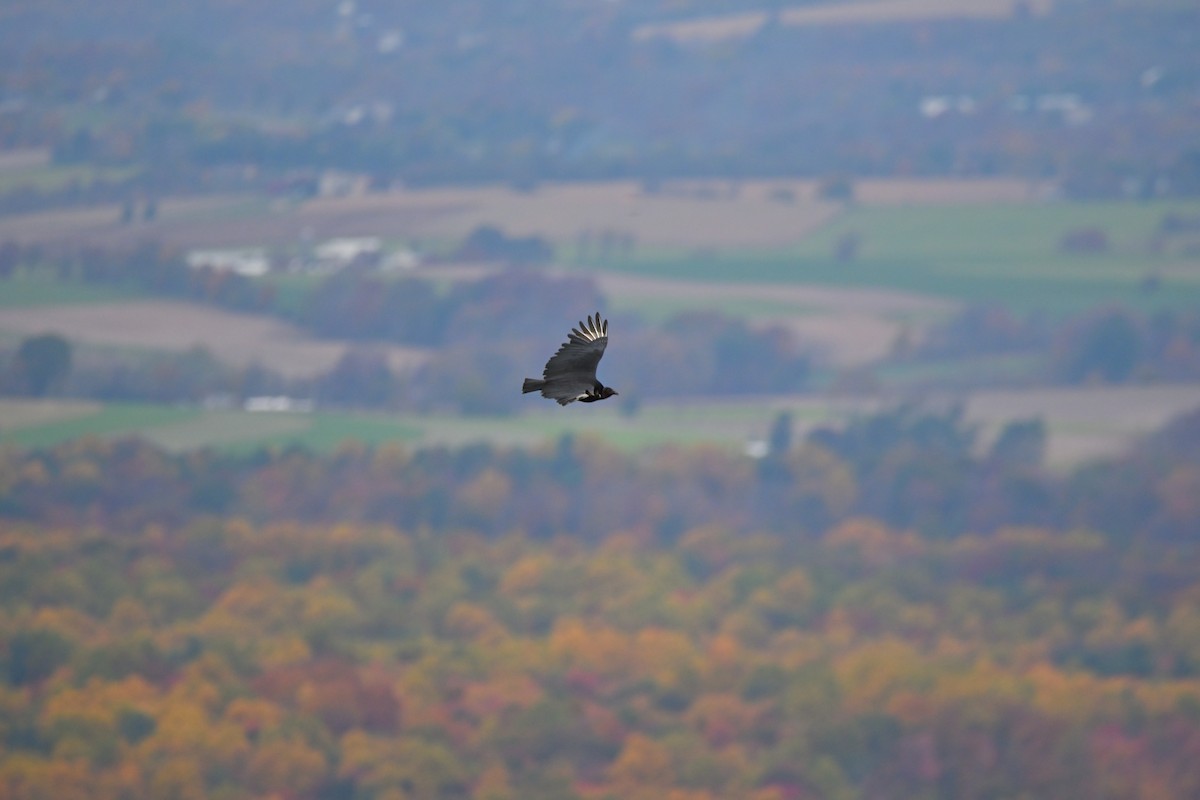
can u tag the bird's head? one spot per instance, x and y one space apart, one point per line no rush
608 391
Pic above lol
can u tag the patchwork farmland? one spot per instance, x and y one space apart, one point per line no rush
760 250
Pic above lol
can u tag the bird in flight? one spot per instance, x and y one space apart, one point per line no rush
570 373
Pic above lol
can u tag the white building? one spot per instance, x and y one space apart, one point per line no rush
278 403
400 260
345 249
249 261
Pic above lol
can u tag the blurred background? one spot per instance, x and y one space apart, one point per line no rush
899 498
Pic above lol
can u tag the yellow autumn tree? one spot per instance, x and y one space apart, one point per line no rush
595 647
418 769
285 766
27 776
493 783
643 769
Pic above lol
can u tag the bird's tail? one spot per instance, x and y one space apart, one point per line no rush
531 385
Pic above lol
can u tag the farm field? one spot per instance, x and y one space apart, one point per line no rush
911 231
718 27
1083 423
237 339
925 248
681 214
28 423
759 250
999 253
949 241
724 26
34 169
701 214
186 221
47 177
846 326
39 290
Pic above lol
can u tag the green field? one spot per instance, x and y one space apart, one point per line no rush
1082 422
78 420
997 253
30 289
239 431
1002 253
658 310
51 177
969 371
177 429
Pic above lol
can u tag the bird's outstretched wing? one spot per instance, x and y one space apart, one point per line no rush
577 359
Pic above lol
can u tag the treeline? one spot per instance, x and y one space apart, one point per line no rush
906 467
28 198
1103 345
577 623
356 304
483 334
495 330
193 376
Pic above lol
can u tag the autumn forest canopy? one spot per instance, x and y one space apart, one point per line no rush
884 610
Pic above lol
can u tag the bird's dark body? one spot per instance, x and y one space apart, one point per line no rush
570 374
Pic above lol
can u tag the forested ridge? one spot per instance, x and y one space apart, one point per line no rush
573 621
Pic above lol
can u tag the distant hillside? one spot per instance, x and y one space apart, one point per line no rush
197 92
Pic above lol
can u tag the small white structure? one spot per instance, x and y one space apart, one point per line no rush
1069 105
249 261
277 403
336 253
390 40
937 105
335 183
400 260
346 249
756 448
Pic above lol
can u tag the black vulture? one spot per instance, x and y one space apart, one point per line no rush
570 373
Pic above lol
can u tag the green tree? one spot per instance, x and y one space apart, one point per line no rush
43 360
1108 347
34 654
1021 443
779 439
